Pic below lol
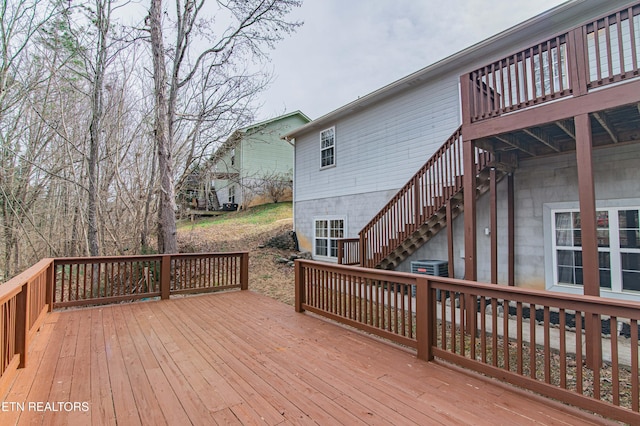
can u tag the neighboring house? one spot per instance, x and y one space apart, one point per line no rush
545 114
255 161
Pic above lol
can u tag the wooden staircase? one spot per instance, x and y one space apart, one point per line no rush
419 210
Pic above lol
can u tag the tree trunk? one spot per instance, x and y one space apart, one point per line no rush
167 242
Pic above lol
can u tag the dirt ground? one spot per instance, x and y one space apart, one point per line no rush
266 275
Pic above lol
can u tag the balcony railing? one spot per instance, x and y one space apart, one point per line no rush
596 54
533 339
51 283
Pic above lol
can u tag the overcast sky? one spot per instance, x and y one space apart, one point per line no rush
349 48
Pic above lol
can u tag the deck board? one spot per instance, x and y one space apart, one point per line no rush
243 358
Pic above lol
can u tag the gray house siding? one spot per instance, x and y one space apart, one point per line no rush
376 151
379 149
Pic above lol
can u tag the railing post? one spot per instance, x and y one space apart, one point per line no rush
577 52
22 326
51 284
363 251
424 319
340 251
299 285
165 277
244 271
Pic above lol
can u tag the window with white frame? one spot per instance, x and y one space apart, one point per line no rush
618 235
328 147
327 234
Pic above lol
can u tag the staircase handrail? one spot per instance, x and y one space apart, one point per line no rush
435 183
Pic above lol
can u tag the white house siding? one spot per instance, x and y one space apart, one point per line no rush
538 182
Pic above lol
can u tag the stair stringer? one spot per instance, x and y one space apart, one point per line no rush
436 223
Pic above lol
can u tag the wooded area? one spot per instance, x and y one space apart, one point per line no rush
99 117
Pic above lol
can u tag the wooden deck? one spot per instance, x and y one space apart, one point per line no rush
243 358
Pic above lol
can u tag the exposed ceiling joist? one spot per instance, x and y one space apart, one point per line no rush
568 127
486 144
514 142
606 124
542 136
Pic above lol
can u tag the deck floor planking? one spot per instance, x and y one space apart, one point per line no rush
242 358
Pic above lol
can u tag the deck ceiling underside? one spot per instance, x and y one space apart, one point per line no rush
614 126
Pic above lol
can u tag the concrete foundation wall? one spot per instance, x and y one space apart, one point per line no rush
537 182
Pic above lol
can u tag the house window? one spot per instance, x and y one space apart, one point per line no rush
233 156
327 234
328 147
618 235
232 194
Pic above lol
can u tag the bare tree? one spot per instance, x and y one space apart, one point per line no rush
222 65
24 143
276 186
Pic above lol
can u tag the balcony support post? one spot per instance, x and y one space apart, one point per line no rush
470 230
451 256
512 231
591 270
493 189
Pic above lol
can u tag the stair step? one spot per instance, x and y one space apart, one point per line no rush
433 225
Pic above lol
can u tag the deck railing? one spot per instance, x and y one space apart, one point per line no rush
349 251
100 280
598 53
24 302
533 339
56 283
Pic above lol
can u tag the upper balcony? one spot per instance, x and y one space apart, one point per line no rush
525 102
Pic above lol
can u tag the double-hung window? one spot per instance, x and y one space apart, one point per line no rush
618 236
328 147
327 234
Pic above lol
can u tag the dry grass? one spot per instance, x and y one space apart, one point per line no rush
246 231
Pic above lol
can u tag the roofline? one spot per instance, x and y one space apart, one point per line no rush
272 120
432 70
233 139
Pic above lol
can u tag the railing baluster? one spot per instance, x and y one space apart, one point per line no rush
563 348
634 364
615 369
494 331
632 37
620 43
579 384
547 345
607 33
596 40
483 329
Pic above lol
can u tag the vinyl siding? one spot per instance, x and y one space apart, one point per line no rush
381 148
260 153
265 153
